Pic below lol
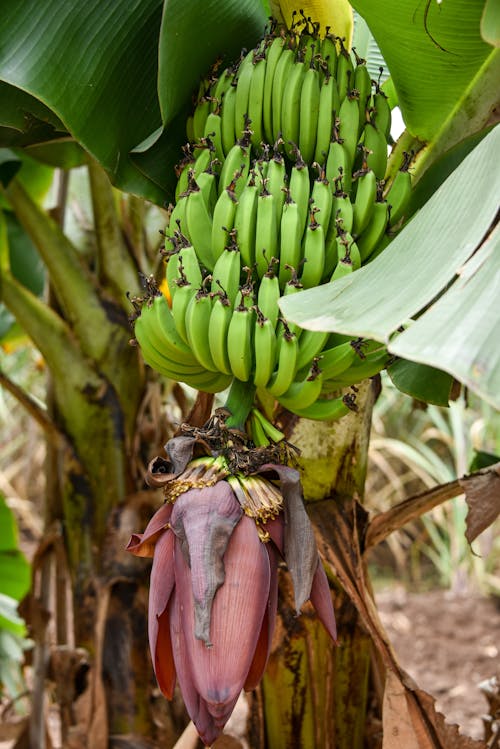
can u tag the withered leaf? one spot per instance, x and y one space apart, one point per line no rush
482 494
410 719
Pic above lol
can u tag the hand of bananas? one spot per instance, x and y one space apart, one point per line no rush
281 188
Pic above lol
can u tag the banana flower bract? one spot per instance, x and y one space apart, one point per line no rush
216 544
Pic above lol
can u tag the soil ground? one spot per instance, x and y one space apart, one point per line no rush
448 645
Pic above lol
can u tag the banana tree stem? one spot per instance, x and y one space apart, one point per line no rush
239 402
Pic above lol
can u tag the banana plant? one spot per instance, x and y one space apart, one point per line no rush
112 88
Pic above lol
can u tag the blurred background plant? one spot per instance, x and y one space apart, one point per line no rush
413 448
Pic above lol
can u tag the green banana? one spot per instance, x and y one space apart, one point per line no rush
222 221
349 124
202 162
266 232
366 194
227 119
299 187
309 113
255 100
268 295
172 270
245 222
177 219
329 105
309 43
348 256
398 196
236 167
337 359
281 75
291 231
258 435
190 128
331 252
213 133
270 430
240 342
220 318
345 71
183 264
376 144
200 115
272 433
329 52
159 361
221 87
182 173
382 113
274 52
226 273
324 409
180 302
363 85
293 286
197 319
172 344
243 83
276 178
322 198
207 182
282 378
313 253
369 366
199 225
290 108
264 349
209 382
339 165
342 210
311 343
304 393
369 239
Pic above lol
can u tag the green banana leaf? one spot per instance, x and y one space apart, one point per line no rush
26 266
94 65
471 309
421 382
446 75
90 69
419 265
35 177
188 48
15 572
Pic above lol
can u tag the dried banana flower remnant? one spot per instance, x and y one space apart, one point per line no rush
216 543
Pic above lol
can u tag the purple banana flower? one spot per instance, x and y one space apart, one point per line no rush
213 590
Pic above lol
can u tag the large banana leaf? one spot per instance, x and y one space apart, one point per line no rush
471 309
445 74
91 69
94 65
419 264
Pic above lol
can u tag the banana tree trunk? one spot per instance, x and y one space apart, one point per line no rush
89 604
314 695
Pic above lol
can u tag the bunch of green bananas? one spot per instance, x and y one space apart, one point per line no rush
281 188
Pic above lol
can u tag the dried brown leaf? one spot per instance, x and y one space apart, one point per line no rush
482 495
410 719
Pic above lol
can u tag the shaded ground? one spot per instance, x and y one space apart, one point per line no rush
448 645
